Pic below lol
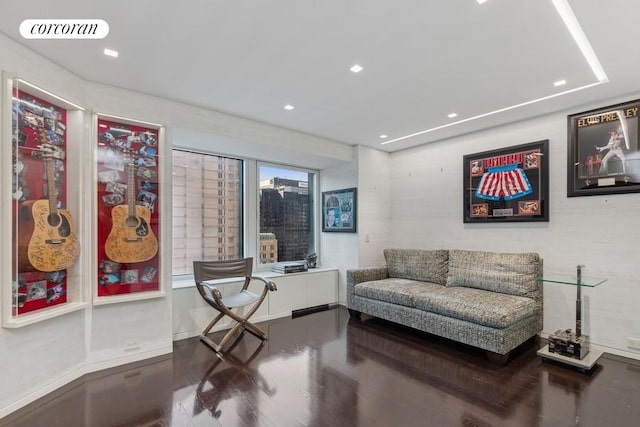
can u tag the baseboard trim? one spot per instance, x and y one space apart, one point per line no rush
309 310
76 376
42 391
94 366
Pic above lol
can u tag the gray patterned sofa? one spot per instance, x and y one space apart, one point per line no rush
488 300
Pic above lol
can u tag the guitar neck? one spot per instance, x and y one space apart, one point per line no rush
52 192
131 189
48 153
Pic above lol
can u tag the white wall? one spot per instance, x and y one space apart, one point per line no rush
40 357
375 208
340 249
600 232
43 356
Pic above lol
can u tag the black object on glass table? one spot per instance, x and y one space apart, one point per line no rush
569 344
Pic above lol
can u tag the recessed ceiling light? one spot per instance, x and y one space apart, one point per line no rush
452 115
356 68
383 136
110 52
560 83
481 1
289 107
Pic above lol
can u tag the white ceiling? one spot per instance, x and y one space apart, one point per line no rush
422 59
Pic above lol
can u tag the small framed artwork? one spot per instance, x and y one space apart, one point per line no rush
604 153
339 210
507 185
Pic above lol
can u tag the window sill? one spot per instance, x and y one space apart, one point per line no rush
188 282
271 274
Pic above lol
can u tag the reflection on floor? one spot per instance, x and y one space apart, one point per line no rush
327 370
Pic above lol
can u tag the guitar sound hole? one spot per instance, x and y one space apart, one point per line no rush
142 229
54 220
61 222
131 221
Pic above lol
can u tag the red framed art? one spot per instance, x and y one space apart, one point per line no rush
45 244
128 209
507 185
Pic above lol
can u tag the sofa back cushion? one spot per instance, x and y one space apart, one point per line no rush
508 273
418 264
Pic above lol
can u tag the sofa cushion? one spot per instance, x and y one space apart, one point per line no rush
418 264
395 291
486 308
509 273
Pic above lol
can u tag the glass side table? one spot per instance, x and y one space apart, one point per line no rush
568 347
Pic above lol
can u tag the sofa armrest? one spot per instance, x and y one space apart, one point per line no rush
359 275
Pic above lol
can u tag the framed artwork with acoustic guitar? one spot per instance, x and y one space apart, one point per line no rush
45 244
128 207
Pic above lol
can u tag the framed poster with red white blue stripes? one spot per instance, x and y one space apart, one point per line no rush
508 184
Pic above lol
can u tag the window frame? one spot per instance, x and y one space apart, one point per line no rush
250 206
242 217
314 190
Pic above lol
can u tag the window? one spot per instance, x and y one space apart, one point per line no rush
286 213
199 208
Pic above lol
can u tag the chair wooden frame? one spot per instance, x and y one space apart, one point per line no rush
205 271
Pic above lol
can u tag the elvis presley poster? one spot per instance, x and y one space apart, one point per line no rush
604 152
507 185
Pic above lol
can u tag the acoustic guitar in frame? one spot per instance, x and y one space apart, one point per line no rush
52 243
131 238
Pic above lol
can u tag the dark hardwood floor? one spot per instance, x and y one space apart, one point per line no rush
324 369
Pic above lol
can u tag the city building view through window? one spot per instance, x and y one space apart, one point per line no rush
286 214
207 209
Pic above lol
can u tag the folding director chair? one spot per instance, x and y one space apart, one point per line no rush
205 271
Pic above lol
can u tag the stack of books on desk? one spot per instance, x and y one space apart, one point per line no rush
289 267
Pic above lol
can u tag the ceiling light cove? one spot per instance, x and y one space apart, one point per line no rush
289 107
571 22
579 37
356 68
111 52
